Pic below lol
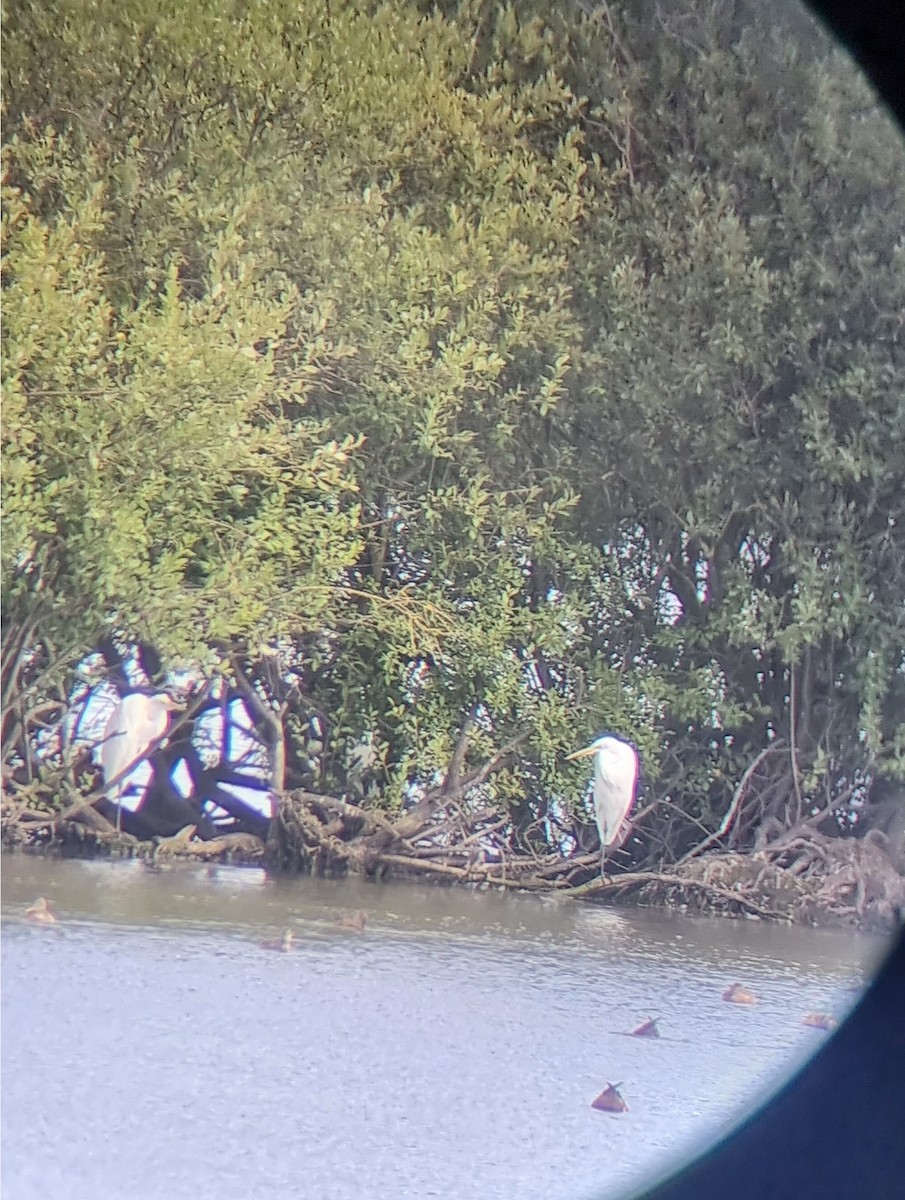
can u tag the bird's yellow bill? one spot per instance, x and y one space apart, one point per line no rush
584 752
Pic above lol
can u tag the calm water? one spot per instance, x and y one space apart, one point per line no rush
152 1049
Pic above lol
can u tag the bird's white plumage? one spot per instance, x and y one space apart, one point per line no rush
136 721
615 782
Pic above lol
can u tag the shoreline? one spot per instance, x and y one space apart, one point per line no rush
868 896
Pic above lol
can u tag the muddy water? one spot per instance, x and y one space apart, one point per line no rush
151 1048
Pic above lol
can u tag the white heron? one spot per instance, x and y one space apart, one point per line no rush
615 783
138 720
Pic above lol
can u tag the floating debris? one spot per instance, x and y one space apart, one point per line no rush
648 1029
354 922
819 1021
283 943
610 1100
736 994
40 913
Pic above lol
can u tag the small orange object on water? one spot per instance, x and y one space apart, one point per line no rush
356 921
648 1029
40 913
819 1021
283 943
610 1100
736 994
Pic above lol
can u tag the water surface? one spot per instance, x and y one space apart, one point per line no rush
151 1048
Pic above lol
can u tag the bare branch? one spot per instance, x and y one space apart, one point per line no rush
630 882
458 756
732 811
270 722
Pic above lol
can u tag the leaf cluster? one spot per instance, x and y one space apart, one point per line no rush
530 371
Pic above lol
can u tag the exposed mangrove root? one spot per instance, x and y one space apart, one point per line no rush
89 833
235 847
494 877
809 879
677 890
803 876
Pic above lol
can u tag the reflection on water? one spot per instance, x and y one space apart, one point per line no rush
151 1048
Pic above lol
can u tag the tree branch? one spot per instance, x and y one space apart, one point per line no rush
732 811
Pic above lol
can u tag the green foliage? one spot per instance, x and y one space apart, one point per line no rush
734 404
152 481
532 369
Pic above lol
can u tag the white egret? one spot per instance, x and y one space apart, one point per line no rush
137 721
615 783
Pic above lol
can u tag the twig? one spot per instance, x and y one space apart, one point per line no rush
732 811
685 815
566 865
264 715
639 879
471 874
373 819
812 823
411 824
793 742
457 760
